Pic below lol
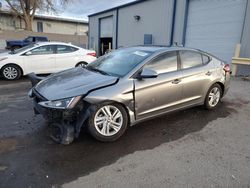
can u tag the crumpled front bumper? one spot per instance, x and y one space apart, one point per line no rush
38 109
76 117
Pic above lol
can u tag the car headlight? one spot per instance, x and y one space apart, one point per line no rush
68 103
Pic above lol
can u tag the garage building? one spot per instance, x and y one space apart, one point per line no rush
215 26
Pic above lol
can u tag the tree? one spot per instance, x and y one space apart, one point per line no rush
26 9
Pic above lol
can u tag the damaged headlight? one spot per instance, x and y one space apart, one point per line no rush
68 103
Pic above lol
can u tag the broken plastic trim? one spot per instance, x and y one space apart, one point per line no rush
34 78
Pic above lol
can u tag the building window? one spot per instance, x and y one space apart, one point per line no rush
39 26
148 39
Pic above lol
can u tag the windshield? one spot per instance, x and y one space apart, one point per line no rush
120 62
22 49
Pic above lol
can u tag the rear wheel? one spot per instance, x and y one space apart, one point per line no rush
108 122
81 64
11 72
213 97
15 47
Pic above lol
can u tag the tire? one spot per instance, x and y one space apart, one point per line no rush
62 133
11 72
213 97
114 128
15 47
81 64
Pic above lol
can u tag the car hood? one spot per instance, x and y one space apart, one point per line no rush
72 82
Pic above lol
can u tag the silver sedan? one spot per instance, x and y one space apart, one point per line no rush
128 86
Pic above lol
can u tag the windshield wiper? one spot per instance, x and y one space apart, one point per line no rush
97 70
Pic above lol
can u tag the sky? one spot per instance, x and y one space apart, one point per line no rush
80 9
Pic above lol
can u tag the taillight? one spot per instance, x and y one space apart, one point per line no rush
92 54
226 68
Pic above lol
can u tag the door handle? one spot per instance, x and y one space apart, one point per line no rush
208 73
176 81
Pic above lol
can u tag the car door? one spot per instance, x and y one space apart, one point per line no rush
154 96
196 76
66 57
40 60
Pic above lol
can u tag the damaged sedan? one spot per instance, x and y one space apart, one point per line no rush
128 86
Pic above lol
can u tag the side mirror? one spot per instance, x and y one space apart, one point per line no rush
28 53
147 73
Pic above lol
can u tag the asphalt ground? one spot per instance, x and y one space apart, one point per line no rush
190 148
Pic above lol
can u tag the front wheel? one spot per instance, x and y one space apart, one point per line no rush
81 64
213 97
15 48
11 72
108 122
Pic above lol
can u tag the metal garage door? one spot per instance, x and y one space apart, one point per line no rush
215 26
106 27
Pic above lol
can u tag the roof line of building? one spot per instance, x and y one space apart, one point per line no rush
50 18
117 7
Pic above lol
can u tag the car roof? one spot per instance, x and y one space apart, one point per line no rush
159 48
37 36
51 43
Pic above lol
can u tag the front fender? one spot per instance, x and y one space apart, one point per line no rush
122 93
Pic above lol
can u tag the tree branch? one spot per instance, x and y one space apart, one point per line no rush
26 9
34 9
23 8
13 8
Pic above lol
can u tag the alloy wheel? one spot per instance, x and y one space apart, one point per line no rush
10 73
214 97
81 65
108 120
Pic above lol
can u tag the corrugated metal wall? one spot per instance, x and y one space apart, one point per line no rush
155 18
245 43
215 25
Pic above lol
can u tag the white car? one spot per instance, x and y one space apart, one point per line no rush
43 58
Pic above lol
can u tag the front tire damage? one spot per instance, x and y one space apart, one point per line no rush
66 126
62 133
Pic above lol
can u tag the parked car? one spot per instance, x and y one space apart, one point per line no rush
43 58
16 44
129 86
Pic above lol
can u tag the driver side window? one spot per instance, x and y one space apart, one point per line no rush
164 63
43 50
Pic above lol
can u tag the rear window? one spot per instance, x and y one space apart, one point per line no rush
42 39
205 59
190 59
65 49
